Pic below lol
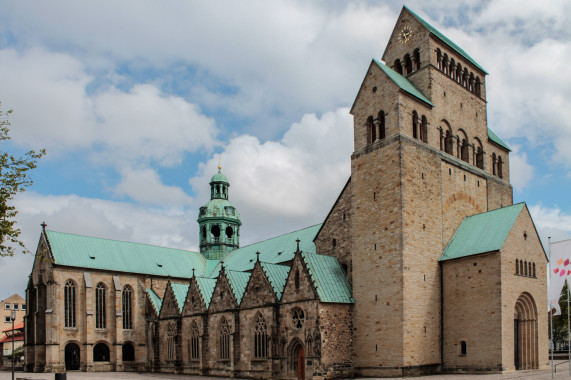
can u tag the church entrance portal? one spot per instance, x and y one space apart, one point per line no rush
297 359
525 333
72 357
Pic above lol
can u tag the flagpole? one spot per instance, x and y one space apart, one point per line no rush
551 343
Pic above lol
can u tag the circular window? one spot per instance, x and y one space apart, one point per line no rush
297 317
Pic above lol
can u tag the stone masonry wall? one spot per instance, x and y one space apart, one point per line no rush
472 313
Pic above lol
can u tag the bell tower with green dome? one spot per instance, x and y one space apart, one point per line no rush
218 220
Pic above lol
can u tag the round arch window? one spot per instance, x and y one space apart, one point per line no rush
215 231
229 232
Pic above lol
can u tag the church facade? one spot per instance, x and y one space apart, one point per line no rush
423 264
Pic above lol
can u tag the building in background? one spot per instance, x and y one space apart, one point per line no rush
13 303
17 334
422 265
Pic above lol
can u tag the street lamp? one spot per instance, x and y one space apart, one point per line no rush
12 317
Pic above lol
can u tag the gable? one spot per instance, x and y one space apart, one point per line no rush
368 83
206 287
222 296
169 306
258 292
299 286
194 302
155 302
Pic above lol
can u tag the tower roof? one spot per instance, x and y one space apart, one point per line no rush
219 177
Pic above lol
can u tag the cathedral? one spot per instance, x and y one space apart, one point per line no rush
422 265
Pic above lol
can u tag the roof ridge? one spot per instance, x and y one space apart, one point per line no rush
445 39
396 77
120 241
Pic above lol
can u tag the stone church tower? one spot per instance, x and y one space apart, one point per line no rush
424 160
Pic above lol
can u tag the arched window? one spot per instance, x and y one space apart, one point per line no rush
100 307
69 303
500 167
534 270
480 158
463 348
471 83
408 64
416 56
380 124
424 129
464 153
171 342
127 307
224 340
449 143
439 58
445 64
414 124
525 268
478 88
260 338
459 73
371 130
194 341
398 66
128 352
296 280
465 78
516 266
100 353
452 70
529 270
494 164
521 267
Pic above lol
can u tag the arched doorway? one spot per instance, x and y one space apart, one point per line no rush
128 352
297 359
525 333
101 353
72 357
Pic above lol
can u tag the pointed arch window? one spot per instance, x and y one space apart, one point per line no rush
100 307
260 338
224 344
194 341
171 342
127 303
296 280
69 303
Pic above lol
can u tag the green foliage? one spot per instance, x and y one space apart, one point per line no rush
560 328
14 178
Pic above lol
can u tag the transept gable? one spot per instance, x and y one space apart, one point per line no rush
170 305
370 82
259 291
194 302
299 285
222 297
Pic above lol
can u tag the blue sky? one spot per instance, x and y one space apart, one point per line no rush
136 101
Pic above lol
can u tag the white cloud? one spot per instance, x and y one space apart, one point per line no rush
280 186
145 187
551 222
53 109
521 172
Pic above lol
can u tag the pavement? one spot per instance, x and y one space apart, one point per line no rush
545 374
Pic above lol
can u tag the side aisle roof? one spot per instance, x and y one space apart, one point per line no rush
481 233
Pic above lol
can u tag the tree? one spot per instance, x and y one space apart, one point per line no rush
14 178
560 328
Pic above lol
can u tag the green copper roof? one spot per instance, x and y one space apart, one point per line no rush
277 275
328 278
155 300
492 136
219 177
403 83
94 253
220 209
206 287
180 291
481 233
445 39
238 282
274 251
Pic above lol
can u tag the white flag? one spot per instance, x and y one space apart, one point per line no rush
559 271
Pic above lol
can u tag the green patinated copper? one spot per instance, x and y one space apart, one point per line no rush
403 83
492 136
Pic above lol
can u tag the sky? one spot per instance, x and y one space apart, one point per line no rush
136 102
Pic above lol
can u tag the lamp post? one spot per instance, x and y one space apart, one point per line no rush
12 317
